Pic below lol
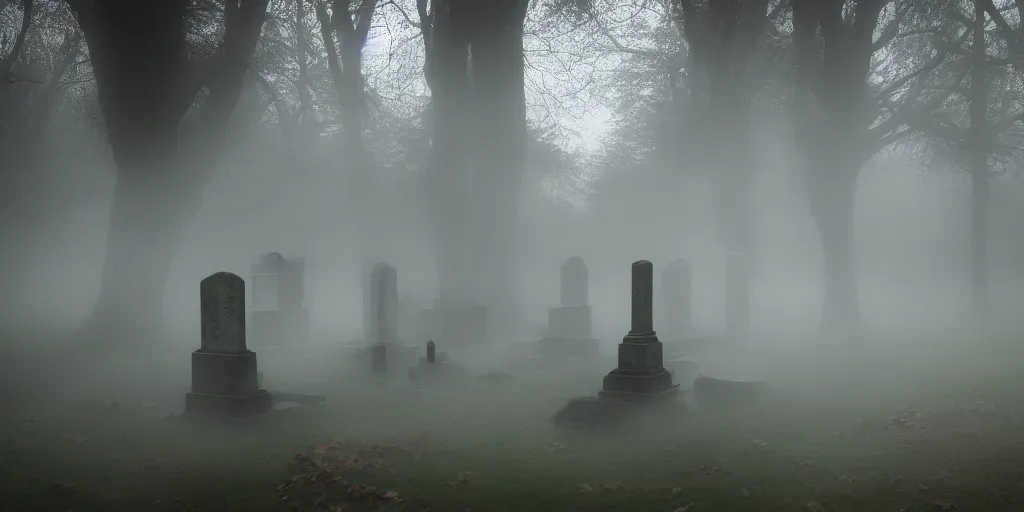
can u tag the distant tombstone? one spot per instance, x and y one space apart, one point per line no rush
384 304
677 290
278 314
737 308
222 313
569 325
225 380
431 352
575 279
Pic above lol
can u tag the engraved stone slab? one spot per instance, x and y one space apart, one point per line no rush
222 313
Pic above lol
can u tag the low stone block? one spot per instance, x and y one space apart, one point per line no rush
219 373
619 381
640 356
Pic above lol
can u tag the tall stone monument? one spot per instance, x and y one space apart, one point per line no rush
224 376
640 375
278 315
569 325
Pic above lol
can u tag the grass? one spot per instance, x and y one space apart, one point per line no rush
905 438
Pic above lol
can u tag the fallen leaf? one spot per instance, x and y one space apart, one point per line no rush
759 442
586 488
814 506
944 505
676 491
685 508
746 493
612 485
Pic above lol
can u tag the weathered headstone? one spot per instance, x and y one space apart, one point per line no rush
737 307
384 304
278 315
676 292
224 373
569 325
640 375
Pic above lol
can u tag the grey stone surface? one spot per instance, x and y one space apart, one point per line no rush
222 313
642 318
572 322
431 352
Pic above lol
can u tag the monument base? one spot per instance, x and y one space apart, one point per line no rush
226 384
635 386
568 347
255 404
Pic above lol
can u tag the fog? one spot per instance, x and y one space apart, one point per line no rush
868 322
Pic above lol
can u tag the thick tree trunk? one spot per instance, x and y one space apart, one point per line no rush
978 96
498 74
832 186
146 220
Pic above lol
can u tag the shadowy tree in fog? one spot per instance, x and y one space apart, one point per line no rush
978 121
475 70
839 126
722 39
147 83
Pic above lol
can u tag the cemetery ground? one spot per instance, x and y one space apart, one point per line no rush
903 428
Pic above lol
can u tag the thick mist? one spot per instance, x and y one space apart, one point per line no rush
862 355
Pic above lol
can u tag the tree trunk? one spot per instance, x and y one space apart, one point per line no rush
146 220
832 185
498 80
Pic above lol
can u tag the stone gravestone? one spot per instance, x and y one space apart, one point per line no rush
224 375
737 296
278 316
640 375
569 325
384 321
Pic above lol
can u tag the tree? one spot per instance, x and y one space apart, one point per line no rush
839 124
146 84
973 125
475 70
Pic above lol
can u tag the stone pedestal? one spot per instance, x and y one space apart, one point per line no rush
226 384
640 375
280 327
